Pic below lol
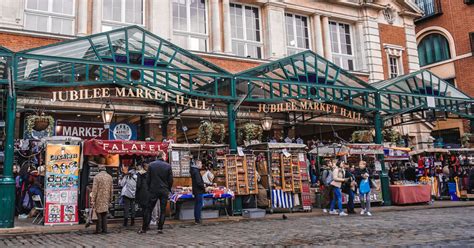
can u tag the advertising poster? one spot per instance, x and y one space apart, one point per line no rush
61 184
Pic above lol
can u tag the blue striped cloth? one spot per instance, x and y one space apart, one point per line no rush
281 199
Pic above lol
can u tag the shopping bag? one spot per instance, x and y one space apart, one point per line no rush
364 187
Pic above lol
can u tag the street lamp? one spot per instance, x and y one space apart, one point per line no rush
107 113
267 123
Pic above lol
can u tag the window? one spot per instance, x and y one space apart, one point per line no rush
433 48
297 34
429 7
395 67
245 22
190 24
120 13
53 16
341 45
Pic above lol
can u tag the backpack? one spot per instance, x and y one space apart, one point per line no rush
326 178
130 187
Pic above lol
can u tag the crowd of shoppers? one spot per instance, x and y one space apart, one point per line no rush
339 177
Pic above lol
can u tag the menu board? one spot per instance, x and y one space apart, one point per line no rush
61 184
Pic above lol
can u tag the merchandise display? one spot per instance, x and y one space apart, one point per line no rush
236 174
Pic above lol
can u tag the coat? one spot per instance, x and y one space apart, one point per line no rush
159 178
102 189
129 184
197 182
142 196
337 177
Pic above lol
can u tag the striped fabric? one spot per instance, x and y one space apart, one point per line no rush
282 199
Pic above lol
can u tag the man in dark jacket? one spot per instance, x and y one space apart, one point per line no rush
159 183
142 195
198 189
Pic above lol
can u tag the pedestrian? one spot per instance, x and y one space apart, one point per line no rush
159 183
199 188
129 188
326 179
337 181
142 196
349 188
364 180
101 197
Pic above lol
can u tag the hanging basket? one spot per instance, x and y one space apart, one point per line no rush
250 132
40 124
211 133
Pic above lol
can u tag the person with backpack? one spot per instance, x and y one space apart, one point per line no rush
337 181
326 179
129 188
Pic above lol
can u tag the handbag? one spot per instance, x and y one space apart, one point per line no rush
364 187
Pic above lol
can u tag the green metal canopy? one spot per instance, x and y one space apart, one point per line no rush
5 58
126 56
422 90
305 75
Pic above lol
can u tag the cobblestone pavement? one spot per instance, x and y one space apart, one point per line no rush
452 227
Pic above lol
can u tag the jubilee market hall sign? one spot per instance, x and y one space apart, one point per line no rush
99 93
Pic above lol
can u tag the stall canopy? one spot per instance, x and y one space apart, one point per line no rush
122 147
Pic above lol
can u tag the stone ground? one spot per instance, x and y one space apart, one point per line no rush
453 227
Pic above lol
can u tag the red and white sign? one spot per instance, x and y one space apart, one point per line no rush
122 147
83 130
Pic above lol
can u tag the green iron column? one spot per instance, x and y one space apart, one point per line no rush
378 123
7 182
231 117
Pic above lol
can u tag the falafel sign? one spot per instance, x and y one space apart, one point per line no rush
61 184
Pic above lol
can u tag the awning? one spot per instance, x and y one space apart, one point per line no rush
363 149
122 147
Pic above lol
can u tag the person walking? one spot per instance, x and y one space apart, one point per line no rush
142 195
101 197
364 180
349 188
199 188
159 183
338 180
129 188
326 179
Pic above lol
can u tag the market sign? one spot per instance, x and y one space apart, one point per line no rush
123 131
304 105
122 147
118 92
83 130
364 149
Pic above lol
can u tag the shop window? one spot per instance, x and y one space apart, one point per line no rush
433 48
297 33
121 13
342 45
246 32
52 16
190 24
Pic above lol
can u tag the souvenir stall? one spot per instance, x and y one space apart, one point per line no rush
117 156
465 175
368 153
396 159
283 169
213 159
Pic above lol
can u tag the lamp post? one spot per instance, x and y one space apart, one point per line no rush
107 113
267 123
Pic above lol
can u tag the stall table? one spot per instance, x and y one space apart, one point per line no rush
410 194
177 199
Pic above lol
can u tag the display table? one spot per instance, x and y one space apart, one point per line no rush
410 194
176 197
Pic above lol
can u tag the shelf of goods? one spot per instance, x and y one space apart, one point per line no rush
180 162
276 171
250 161
296 175
237 179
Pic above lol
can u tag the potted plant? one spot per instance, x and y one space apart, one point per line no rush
250 132
211 133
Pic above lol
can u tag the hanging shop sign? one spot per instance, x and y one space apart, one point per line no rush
61 184
123 131
83 130
362 149
121 147
308 106
117 92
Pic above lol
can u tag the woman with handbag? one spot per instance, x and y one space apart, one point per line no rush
338 180
364 180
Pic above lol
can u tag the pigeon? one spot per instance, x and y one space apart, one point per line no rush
284 217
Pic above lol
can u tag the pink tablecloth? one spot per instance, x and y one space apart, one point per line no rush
410 194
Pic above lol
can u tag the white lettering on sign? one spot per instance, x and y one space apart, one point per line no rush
82 131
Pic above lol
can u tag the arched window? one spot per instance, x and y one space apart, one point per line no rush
433 48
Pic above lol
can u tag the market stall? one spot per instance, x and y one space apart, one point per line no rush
465 175
283 169
410 194
396 159
117 156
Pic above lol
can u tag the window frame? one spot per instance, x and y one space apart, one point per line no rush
353 51
189 34
398 66
122 23
50 15
450 48
245 41
295 48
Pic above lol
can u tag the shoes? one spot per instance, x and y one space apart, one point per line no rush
153 223
351 212
160 231
325 210
369 214
362 212
141 231
342 214
333 212
22 216
198 222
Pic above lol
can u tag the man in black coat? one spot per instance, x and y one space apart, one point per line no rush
159 183
198 190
